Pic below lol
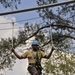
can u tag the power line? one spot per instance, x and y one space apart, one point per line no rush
36 8
11 28
16 27
21 20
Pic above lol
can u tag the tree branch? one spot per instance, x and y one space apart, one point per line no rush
68 36
47 26
63 25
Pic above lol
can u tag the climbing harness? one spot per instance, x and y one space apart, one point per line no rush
37 58
37 65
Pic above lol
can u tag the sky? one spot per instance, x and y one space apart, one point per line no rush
20 67
24 15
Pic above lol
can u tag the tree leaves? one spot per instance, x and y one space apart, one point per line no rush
10 3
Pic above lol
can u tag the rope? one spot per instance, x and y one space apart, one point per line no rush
51 35
12 32
33 18
52 39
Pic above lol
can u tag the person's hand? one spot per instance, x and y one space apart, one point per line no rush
12 49
54 48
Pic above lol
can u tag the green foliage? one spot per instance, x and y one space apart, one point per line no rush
59 15
6 57
60 63
10 3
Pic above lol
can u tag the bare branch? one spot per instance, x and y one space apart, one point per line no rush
68 36
47 26
63 25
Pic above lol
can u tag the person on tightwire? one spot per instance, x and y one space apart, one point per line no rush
34 58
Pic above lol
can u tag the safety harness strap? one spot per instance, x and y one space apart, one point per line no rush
37 58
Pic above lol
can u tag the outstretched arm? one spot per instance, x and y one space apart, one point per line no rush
49 55
17 55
